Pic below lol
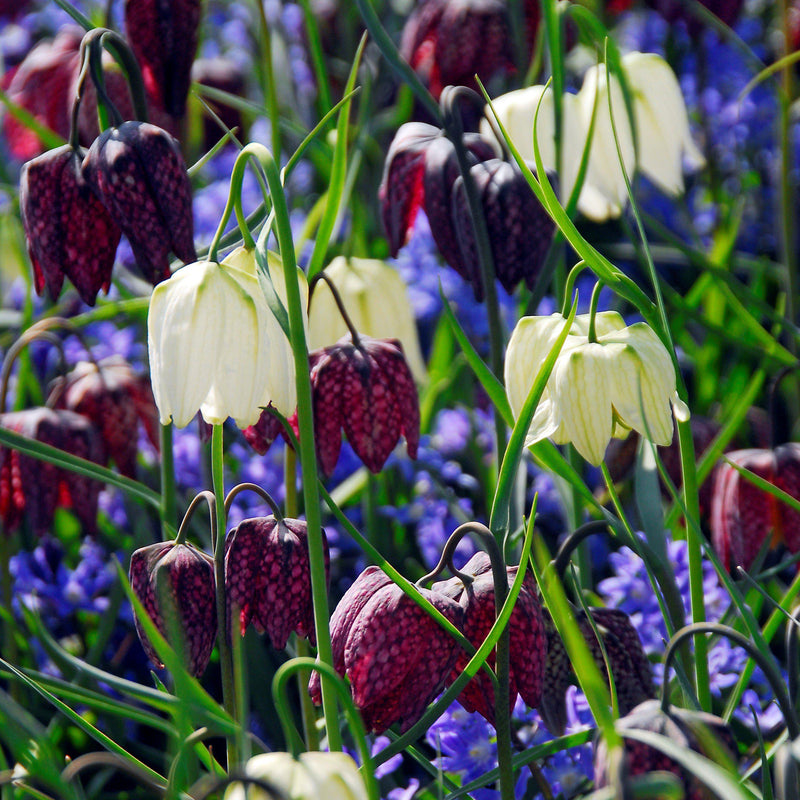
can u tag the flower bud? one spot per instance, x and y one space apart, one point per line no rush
365 388
375 298
311 776
68 231
138 173
396 657
175 584
268 578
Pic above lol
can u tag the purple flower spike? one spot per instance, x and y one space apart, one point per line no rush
396 657
33 488
520 230
367 389
268 578
527 631
175 583
67 229
163 36
138 173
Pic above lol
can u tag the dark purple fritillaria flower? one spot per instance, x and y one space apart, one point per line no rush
268 578
175 583
396 657
68 231
138 173
365 388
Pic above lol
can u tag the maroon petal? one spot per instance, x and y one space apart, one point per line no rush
328 374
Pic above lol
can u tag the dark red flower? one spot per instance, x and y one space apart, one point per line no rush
175 584
743 516
266 430
163 36
33 489
115 399
67 229
139 175
268 578
365 388
527 636
419 172
448 42
693 730
396 656
41 85
628 662
520 230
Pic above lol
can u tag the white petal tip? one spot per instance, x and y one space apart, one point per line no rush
680 409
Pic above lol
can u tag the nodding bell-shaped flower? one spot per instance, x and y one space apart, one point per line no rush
661 122
629 665
214 345
419 172
111 395
448 42
744 516
68 231
138 173
366 388
527 635
396 657
520 230
622 381
41 85
163 37
268 578
34 489
311 776
376 300
175 584
692 730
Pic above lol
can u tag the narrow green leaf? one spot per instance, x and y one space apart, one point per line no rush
501 504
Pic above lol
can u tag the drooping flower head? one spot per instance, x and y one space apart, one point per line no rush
214 345
623 380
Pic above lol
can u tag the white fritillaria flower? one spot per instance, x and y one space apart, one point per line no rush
376 300
215 346
624 380
662 121
314 775
662 132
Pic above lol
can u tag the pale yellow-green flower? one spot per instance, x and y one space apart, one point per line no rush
313 776
624 380
376 300
215 346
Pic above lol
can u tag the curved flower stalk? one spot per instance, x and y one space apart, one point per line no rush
375 298
608 379
659 143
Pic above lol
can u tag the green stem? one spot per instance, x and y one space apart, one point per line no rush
592 337
455 132
305 419
303 648
695 557
169 507
9 641
223 646
269 89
